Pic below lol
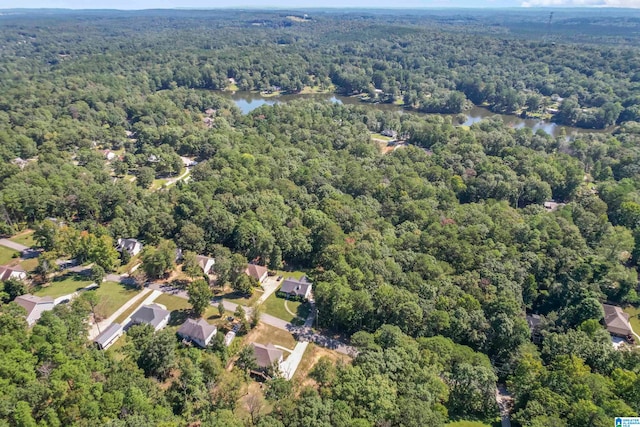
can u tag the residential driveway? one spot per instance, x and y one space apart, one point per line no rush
93 332
288 367
270 285
13 245
71 296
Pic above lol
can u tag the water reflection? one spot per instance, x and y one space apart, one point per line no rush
248 101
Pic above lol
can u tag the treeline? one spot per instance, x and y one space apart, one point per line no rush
440 68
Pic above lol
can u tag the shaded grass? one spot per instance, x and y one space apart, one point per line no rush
24 238
63 285
7 255
296 274
179 307
29 265
274 306
112 296
634 319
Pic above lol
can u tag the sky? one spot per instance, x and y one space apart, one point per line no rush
168 4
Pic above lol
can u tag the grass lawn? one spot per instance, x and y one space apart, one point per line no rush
239 298
29 264
275 306
179 307
7 255
296 274
63 285
157 184
24 238
634 313
381 137
112 296
265 334
127 267
232 87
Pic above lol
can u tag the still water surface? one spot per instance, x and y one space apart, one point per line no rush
248 101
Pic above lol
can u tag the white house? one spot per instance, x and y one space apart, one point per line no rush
35 306
259 272
109 336
198 331
133 246
153 314
16 272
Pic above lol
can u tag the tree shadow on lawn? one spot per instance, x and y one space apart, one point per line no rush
178 317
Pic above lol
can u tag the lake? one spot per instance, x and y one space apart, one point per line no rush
249 101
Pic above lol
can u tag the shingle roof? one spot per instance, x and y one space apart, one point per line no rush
107 335
266 355
295 287
617 321
256 271
128 244
29 301
203 261
197 329
5 272
152 314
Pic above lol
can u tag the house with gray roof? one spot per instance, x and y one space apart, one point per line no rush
199 332
617 321
152 314
35 306
133 246
296 289
267 355
109 336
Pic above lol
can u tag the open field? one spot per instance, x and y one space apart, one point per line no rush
7 255
63 285
112 296
275 306
265 334
24 238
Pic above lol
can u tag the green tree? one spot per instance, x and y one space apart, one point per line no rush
199 296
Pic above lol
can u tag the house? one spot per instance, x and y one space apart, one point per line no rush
267 355
15 272
153 314
133 246
206 263
390 133
297 289
552 206
109 336
109 155
35 306
535 324
617 321
256 271
198 331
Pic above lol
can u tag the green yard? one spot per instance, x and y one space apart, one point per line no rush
296 274
634 313
63 285
24 238
381 137
128 312
7 255
112 296
241 299
275 306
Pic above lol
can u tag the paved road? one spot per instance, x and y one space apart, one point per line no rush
301 333
102 325
13 245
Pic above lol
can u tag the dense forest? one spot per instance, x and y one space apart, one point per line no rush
428 258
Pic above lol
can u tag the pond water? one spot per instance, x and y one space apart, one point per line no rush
249 101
